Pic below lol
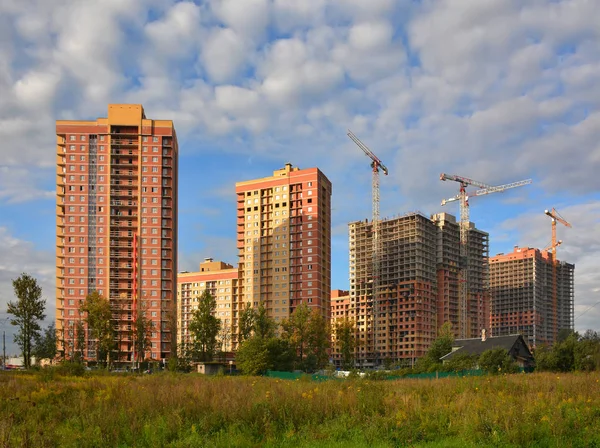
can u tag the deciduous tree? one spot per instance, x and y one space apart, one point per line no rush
28 311
345 341
308 334
45 344
143 331
98 319
204 327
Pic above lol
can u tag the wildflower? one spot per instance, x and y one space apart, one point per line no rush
545 419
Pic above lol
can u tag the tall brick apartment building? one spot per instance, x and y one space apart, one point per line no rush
116 229
284 241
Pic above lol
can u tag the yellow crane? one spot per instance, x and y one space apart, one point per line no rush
555 216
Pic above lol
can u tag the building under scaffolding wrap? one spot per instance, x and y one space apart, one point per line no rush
521 289
418 286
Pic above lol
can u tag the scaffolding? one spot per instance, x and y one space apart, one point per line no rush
449 260
521 288
399 322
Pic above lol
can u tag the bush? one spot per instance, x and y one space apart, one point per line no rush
497 361
67 368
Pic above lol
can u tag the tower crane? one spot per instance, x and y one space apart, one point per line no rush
376 165
463 198
553 245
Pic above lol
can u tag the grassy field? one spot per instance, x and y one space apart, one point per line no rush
165 410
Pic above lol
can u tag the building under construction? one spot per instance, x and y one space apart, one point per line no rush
418 288
449 261
521 290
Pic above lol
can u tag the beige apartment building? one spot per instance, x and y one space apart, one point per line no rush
221 281
116 226
284 241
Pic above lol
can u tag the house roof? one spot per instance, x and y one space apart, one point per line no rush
476 346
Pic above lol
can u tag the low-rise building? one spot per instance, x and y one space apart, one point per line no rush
221 281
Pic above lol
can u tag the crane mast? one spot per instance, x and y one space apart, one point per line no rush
377 246
463 268
554 244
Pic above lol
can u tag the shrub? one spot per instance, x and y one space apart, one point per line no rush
67 368
497 361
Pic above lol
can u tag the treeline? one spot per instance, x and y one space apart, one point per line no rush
491 361
300 342
572 352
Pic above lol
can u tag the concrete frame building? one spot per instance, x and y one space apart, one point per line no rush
448 262
116 208
418 285
405 322
521 286
221 281
284 241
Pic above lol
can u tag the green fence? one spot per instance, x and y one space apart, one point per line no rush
380 375
297 376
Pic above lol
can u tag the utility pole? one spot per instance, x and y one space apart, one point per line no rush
4 344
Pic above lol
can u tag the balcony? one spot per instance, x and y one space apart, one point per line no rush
123 173
118 203
124 192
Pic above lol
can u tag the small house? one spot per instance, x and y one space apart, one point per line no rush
514 344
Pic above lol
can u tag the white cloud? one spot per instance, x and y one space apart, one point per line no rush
223 54
18 256
174 34
247 17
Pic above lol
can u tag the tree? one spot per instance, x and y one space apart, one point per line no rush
143 331
45 344
28 311
252 357
264 326
296 332
497 361
224 336
260 350
204 327
319 340
246 322
440 347
308 334
79 341
461 361
345 341
98 319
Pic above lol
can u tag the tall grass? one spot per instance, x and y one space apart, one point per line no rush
188 410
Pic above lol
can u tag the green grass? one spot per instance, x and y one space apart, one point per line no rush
165 410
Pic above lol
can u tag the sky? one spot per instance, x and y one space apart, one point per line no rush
494 90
